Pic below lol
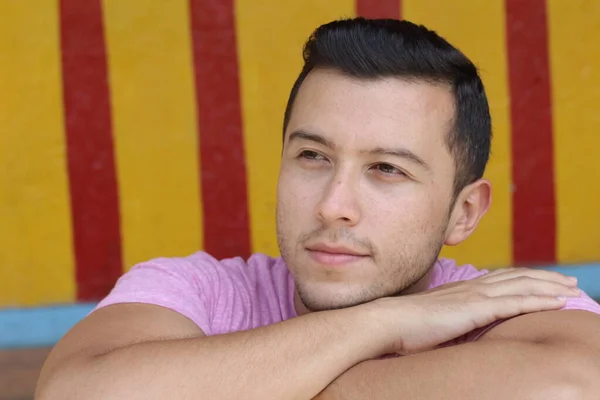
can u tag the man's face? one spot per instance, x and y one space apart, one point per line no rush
365 186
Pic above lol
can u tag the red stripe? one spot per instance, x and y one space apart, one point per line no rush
91 166
379 8
534 225
222 158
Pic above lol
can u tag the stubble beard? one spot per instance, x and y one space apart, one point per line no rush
406 271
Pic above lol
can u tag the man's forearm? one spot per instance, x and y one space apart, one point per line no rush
492 369
295 359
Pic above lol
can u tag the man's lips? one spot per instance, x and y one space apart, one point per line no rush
334 255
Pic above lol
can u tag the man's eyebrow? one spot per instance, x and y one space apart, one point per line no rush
402 153
313 137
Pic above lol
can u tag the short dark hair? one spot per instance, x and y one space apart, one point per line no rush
376 48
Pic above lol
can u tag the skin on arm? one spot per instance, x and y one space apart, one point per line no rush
139 351
545 355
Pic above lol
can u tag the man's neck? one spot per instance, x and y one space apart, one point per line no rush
419 286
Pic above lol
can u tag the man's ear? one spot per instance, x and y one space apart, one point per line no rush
471 204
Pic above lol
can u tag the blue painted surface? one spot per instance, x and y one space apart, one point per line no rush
44 326
40 326
588 277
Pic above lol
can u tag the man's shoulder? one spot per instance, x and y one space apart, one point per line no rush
202 269
217 294
202 261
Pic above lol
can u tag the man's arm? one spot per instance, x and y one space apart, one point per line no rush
137 351
140 351
549 355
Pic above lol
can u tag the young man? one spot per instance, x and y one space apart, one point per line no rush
386 137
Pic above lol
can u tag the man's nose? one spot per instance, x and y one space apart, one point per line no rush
339 204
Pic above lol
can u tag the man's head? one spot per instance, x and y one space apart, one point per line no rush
386 137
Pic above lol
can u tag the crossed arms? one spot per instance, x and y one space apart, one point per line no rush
140 351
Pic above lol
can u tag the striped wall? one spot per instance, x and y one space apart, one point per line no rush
142 128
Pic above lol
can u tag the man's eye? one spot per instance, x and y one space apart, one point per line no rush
388 169
311 155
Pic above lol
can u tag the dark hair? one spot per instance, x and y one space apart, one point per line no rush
374 48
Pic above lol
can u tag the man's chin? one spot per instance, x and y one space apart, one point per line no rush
334 302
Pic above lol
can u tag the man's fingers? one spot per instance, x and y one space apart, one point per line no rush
511 273
527 286
510 306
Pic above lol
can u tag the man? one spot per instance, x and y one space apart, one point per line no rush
386 137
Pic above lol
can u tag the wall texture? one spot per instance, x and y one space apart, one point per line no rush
131 129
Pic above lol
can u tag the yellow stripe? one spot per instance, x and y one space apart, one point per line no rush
478 28
36 254
574 33
268 69
153 105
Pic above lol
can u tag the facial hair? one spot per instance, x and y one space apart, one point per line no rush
398 273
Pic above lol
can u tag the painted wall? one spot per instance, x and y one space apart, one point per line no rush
143 128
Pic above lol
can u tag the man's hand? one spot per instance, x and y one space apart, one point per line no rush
415 323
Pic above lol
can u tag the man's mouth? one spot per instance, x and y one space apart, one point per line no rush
330 254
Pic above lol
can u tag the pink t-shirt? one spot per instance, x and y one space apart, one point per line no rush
223 296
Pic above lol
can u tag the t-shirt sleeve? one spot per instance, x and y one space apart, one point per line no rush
583 302
180 284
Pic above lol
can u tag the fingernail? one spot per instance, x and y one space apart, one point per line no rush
561 298
573 278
